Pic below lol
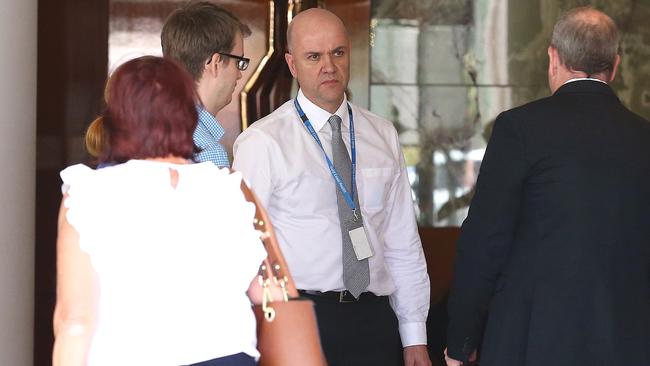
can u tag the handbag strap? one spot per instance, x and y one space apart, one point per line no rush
275 266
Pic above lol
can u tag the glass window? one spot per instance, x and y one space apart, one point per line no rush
442 71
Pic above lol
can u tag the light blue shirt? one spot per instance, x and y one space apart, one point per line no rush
206 137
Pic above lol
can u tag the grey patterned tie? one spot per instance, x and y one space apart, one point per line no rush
356 275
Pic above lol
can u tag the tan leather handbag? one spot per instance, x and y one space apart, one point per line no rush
287 333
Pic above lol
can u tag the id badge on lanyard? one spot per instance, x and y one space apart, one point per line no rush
360 243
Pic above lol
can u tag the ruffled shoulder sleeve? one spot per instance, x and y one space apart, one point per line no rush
80 190
74 174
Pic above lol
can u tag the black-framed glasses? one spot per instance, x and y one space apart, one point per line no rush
242 62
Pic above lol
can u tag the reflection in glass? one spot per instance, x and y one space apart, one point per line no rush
436 76
442 70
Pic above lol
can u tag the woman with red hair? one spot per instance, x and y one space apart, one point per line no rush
154 254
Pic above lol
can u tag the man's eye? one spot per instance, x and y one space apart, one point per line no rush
339 53
312 57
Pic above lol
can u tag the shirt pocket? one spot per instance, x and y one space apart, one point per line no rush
375 187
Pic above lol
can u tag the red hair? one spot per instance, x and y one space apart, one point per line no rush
151 111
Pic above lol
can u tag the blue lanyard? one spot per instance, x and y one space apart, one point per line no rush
337 178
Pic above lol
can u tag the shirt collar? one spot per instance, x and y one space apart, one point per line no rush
580 79
318 116
207 120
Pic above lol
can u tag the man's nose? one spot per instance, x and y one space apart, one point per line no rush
328 63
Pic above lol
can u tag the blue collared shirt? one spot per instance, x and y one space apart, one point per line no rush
206 137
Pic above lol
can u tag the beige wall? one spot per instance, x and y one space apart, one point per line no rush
18 25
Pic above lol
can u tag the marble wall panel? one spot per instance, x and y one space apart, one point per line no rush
455 50
441 54
399 104
394 52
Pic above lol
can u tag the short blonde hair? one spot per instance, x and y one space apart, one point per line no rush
95 139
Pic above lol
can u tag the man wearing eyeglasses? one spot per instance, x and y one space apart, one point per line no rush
208 41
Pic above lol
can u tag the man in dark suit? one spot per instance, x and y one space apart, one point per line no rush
553 262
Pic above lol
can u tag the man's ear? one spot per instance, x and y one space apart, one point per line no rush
615 68
212 69
553 62
292 67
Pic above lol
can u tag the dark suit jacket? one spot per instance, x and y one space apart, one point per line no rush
553 262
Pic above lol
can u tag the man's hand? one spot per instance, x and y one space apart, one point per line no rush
452 362
416 356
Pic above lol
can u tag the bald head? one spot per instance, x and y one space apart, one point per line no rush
310 20
586 40
319 57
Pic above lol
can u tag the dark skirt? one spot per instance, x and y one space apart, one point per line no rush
240 359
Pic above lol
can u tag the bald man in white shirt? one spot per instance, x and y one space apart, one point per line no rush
374 315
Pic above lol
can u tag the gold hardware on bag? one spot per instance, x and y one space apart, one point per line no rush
281 280
267 296
283 285
269 312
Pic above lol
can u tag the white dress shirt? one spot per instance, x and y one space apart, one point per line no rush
288 172
580 79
